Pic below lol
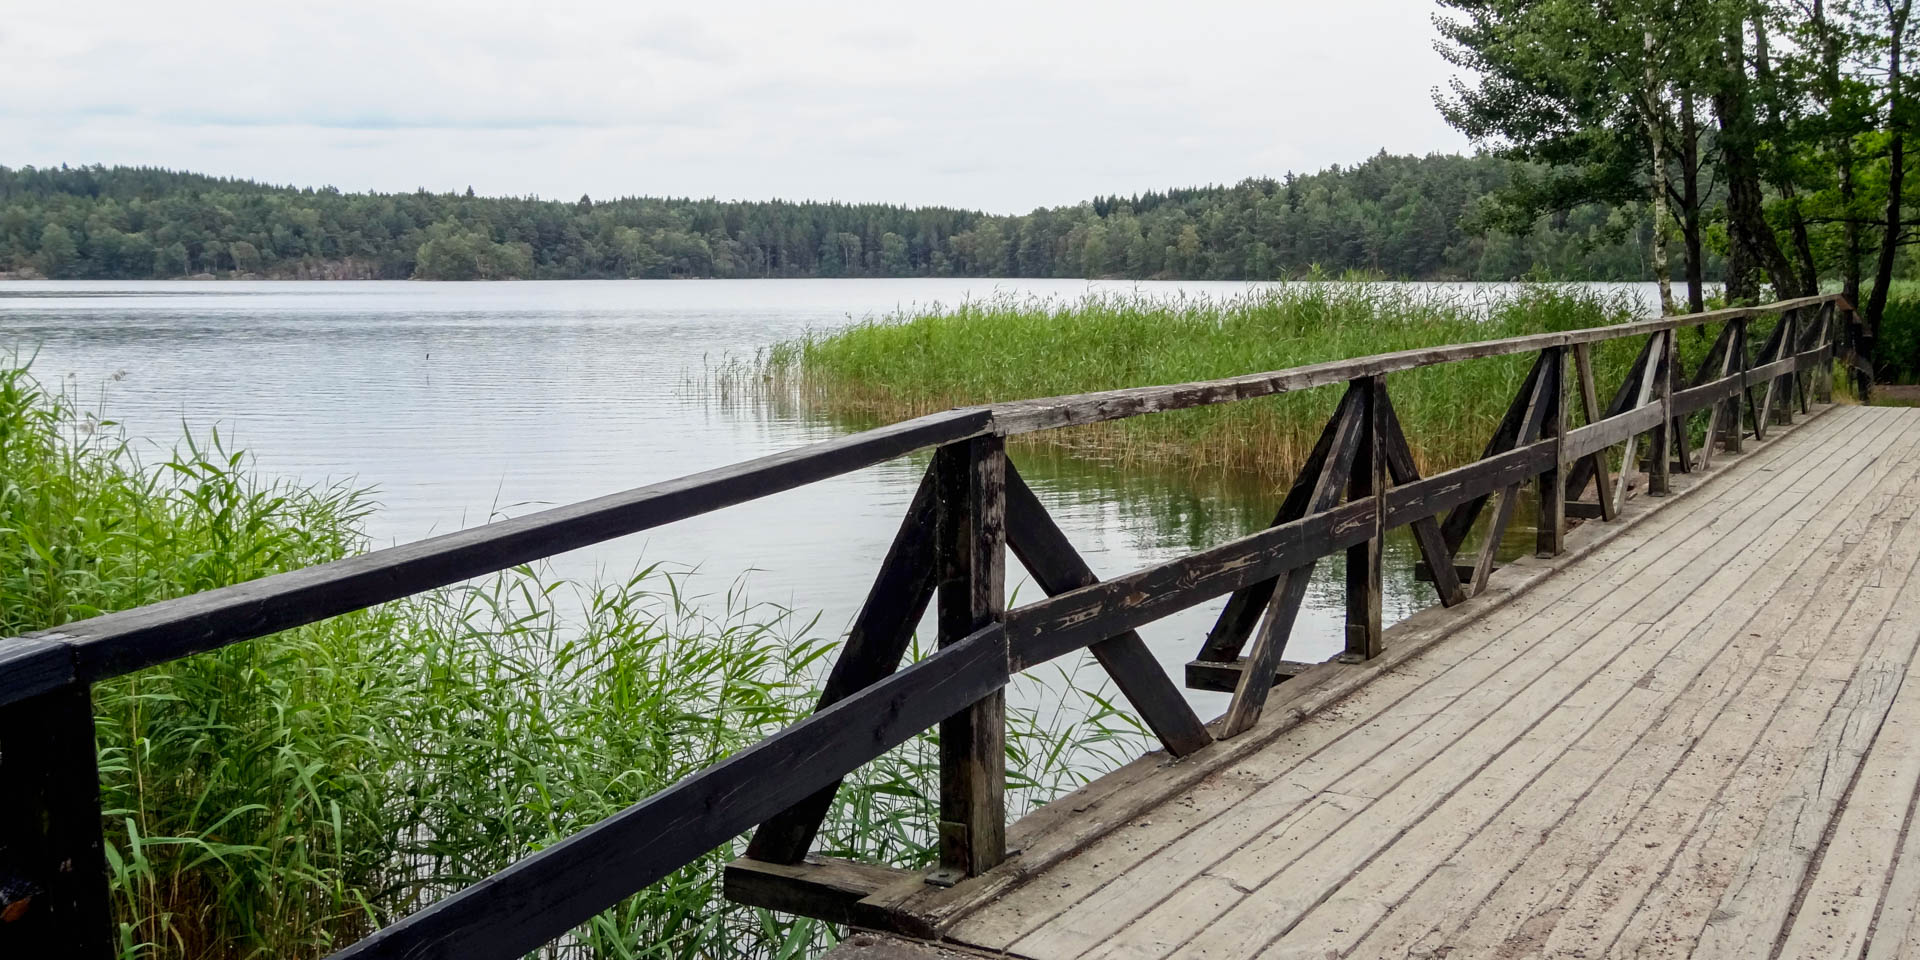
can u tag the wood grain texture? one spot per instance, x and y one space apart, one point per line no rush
876 642
121 642
1057 567
53 869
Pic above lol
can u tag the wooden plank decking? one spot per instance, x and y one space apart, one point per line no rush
1694 737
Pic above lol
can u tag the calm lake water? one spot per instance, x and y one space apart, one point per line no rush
459 403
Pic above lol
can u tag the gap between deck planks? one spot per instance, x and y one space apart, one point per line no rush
1077 823
1327 797
1836 519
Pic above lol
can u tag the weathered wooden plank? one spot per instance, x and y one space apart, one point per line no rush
1055 839
1660 476
31 666
1531 423
1043 414
1426 530
1435 876
876 642
1250 696
1459 521
1224 677
1612 773
1695 399
1057 567
1642 395
971 544
1297 862
1242 611
1363 571
1046 629
1551 530
550 892
1452 488
824 888
1597 437
121 642
53 871
1595 465
1623 400
1463 572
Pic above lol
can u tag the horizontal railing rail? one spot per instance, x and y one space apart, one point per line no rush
1359 482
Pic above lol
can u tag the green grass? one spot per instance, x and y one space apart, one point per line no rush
284 796
1011 348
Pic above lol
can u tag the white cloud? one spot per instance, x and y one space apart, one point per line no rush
998 105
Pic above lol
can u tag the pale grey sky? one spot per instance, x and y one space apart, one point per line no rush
996 105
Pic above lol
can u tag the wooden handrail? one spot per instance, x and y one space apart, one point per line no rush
1359 482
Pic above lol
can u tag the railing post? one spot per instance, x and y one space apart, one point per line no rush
1659 480
972 539
1823 385
1788 348
53 871
1552 537
1735 428
1364 559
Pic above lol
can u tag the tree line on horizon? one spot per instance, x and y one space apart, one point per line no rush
1403 217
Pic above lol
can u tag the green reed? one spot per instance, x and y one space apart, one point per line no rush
1010 348
284 796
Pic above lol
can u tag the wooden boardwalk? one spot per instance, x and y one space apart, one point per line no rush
1691 736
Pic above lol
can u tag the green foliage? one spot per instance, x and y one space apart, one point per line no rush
1896 354
1400 216
284 796
1012 348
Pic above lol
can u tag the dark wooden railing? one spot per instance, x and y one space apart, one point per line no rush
1359 482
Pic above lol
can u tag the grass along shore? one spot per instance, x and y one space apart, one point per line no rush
1012 348
285 796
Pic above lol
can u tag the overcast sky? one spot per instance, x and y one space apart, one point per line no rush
999 106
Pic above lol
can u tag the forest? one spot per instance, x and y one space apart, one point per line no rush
1397 216
1767 135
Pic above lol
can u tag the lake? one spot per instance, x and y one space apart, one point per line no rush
458 403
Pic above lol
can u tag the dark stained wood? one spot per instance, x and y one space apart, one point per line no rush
1594 438
1250 696
1709 394
1581 510
876 642
972 546
1733 438
550 892
1462 572
30 666
1044 414
1363 572
53 871
1659 478
1045 629
1426 529
1625 398
1533 420
1595 464
1477 480
1506 436
1057 567
825 888
122 642
1242 611
1765 372
1551 537
1224 677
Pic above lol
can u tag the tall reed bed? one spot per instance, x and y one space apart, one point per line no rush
285 796
1010 348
